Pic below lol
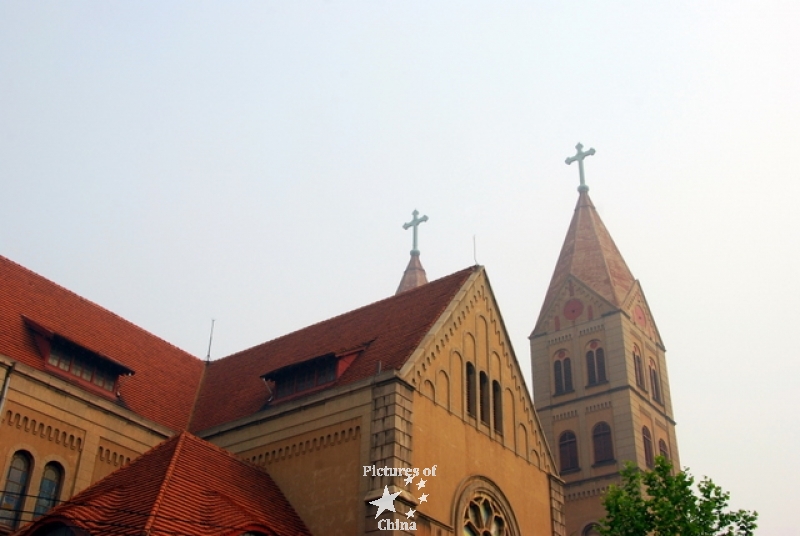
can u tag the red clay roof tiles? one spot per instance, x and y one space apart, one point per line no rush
170 490
156 363
393 328
589 254
232 387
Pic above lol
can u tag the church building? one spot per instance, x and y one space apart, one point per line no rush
408 416
600 378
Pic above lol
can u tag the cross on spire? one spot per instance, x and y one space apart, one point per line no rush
579 157
415 223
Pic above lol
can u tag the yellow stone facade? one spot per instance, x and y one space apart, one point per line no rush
55 421
316 448
626 404
458 409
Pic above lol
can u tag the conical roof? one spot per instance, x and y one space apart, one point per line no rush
590 255
414 276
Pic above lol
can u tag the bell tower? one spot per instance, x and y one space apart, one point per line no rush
600 380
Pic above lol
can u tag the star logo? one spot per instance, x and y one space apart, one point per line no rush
410 513
420 484
386 502
422 499
409 480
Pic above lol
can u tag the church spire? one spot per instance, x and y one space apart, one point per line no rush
414 276
589 254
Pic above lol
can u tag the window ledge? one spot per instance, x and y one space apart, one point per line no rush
605 463
570 471
597 384
562 393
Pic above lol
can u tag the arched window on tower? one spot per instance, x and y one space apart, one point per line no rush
590 530
655 382
562 373
647 440
472 405
595 363
16 487
497 402
484 395
568 451
49 489
638 368
662 449
601 440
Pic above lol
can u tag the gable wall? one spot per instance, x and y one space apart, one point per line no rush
56 422
462 445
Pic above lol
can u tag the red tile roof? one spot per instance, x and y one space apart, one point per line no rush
393 328
156 363
589 254
170 490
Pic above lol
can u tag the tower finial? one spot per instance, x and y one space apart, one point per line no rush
579 157
415 221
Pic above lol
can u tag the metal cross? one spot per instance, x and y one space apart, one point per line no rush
415 223
579 157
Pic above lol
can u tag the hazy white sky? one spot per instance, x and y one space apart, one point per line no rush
254 162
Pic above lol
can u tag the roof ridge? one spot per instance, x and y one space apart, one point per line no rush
402 295
94 304
162 491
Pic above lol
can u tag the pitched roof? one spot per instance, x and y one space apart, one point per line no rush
590 255
414 276
389 330
156 363
169 490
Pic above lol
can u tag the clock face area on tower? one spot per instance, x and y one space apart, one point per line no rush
573 309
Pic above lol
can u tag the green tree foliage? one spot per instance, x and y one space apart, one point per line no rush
660 503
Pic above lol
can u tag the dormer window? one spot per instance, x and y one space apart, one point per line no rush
310 375
304 377
73 362
81 365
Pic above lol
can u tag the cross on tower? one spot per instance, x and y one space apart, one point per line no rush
579 157
415 223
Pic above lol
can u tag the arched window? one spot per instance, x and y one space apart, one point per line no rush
568 451
562 373
497 401
558 373
484 393
595 363
647 439
567 375
483 510
15 489
49 489
603 447
662 449
638 369
484 518
472 402
655 382
590 530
